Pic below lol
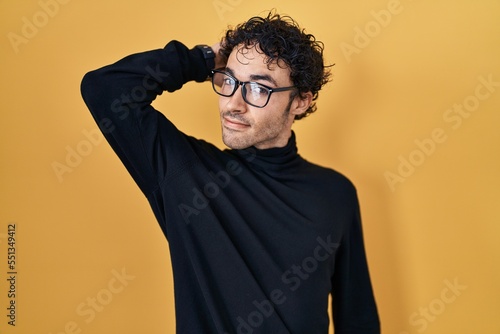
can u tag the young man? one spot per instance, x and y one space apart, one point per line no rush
259 237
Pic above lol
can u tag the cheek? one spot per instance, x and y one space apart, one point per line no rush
274 111
222 103
263 118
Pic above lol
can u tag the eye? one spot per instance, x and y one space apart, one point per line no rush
258 90
228 81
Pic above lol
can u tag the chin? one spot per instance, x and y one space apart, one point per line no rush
235 142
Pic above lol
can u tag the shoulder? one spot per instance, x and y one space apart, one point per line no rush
329 177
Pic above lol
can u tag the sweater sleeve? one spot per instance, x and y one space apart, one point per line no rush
353 303
119 96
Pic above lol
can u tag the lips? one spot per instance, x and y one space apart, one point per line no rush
234 124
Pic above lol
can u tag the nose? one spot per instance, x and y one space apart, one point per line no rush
235 103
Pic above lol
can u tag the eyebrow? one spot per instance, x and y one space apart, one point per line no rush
254 77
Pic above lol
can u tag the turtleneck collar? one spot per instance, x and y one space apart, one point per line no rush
272 159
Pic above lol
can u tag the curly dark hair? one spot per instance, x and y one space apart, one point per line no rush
280 38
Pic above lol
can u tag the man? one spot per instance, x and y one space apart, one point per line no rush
259 237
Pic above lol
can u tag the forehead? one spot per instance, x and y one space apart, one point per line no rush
246 61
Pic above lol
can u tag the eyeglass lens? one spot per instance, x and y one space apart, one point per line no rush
253 93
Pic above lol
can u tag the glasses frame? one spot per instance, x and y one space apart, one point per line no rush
244 89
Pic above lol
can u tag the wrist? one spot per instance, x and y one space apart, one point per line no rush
208 55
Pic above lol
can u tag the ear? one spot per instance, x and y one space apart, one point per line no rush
301 103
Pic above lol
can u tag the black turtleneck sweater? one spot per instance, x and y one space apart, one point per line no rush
258 238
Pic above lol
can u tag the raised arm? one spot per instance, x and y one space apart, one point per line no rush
119 97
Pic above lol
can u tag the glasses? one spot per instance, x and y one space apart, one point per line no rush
254 93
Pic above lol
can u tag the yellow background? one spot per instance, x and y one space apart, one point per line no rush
436 226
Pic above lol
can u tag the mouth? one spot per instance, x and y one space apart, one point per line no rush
234 124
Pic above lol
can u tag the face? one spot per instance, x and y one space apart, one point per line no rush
244 125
